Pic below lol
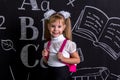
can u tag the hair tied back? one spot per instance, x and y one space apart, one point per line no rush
65 14
50 12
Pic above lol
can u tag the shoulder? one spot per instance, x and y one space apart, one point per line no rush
45 44
69 42
70 46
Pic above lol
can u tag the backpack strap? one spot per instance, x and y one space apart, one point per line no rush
63 45
48 45
60 50
72 67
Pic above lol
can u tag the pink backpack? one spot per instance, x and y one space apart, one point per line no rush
72 67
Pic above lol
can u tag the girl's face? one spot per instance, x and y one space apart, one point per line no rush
56 28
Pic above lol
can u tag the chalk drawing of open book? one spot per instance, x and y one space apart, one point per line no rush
94 25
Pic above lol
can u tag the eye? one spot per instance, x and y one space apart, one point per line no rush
52 26
59 26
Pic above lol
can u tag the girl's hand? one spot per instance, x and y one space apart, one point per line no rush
44 53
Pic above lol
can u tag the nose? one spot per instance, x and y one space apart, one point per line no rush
55 28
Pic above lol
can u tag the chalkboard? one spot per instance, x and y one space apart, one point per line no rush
95 29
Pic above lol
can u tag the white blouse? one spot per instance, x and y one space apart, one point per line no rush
56 43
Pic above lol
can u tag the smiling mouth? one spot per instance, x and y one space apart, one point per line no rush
55 33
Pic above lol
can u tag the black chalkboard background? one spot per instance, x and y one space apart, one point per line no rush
20 50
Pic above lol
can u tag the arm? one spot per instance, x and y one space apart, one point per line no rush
74 58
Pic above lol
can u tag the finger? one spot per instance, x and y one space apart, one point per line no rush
43 52
59 52
45 49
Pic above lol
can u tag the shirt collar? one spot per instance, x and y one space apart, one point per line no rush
59 38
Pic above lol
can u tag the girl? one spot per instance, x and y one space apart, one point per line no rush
57 29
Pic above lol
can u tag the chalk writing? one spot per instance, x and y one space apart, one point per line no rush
33 3
71 2
2 21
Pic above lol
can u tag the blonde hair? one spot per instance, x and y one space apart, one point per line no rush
67 32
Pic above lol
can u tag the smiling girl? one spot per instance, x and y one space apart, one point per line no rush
57 29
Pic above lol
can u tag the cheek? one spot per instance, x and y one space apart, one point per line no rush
49 28
62 30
